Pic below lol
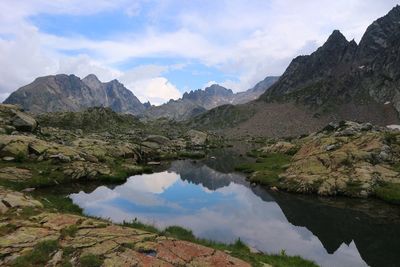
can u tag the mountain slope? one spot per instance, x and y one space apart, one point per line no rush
69 93
197 102
339 81
342 71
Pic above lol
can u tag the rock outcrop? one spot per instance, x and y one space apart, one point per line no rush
343 159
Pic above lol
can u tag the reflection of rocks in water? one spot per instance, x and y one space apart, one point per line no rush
227 158
375 237
198 173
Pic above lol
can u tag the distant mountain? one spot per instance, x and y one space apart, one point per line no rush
196 102
341 80
69 93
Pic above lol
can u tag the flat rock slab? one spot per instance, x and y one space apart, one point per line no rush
116 245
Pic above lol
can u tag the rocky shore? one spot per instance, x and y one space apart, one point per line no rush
347 158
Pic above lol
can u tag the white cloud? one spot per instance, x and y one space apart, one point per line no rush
156 90
245 40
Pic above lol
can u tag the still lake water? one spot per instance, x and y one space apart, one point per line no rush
220 205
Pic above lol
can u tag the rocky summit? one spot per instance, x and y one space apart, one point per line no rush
69 93
341 71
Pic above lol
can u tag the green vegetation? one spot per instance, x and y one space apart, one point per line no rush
90 260
69 231
91 120
39 256
59 202
266 169
389 192
8 228
141 226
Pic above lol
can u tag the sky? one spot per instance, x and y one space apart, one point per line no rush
160 49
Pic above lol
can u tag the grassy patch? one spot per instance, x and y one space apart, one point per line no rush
120 172
59 203
389 192
39 256
90 260
142 226
69 231
266 169
179 233
7 229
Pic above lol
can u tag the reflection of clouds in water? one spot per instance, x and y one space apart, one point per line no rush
152 183
233 212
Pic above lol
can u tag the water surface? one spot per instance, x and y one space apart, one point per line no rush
222 206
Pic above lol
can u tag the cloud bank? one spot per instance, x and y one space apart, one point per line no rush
243 40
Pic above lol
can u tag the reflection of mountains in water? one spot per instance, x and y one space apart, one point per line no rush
200 174
377 239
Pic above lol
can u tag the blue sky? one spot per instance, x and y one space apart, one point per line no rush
159 49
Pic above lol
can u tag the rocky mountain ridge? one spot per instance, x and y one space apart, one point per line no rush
339 81
199 101
341 71
63 92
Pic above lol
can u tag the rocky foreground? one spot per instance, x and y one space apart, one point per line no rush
72 240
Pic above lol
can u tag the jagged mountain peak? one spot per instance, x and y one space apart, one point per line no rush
64 92
336 36
341 71
91 78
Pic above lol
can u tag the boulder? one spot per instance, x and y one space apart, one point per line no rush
23 122
159 139
197 138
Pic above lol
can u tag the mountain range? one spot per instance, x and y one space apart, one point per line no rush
70 93
197 102
341 80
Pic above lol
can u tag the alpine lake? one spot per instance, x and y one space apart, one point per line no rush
216 203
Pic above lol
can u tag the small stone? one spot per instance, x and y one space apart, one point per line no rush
61 158
153 163
8 158
29 189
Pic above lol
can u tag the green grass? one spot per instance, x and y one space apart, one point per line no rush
69 231
142 226
39 256
59 203
389 192
90 260
266 169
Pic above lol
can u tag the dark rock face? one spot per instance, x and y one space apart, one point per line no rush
196 102
70 93
341 71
